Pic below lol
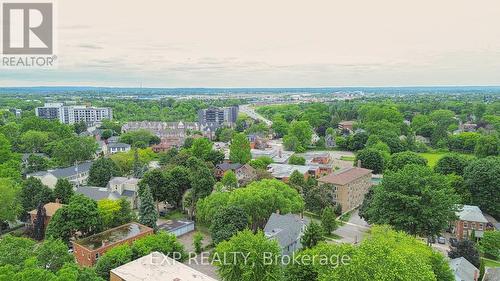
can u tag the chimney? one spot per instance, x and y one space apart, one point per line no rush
278 211
58 200
359 164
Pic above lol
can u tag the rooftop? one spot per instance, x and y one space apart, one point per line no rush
98 193
66 172
463 269
50 209
471 213
285 170
492 274
158 267
171 225
286 229
345 176
113 235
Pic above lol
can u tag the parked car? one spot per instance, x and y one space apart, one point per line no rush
431 239
441 240
453 242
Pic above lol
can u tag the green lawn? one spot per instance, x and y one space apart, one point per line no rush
432 157
491 263
175 215
347 158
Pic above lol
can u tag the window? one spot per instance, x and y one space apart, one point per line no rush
480 226
466 224
96 255
473 225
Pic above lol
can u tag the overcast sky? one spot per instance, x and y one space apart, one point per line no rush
272 43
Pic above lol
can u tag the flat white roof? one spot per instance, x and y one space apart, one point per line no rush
158 267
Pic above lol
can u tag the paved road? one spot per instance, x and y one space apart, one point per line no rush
353 231
248 110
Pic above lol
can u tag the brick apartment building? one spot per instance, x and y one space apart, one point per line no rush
349 186
50 210
88 250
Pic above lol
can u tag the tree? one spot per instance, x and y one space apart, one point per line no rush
227 222
137 168
224 134
259 250
482 179
52 254
80 127
10 207
109 211
312 235
34 141
36 163
155 180
366 204
201 177
148 213
139 138
15 250
113 258
162 242
371 159
408 198
63 190
401 159
34 192
39 223
198 242
239 149
178 181
81 216
101 171
261 162
74 149
201 148
328 221
106 134
318 197
215 157
279 126
358 141
389 255
467 249
259 199
490 244
297 181
452 163
296 160
229 180
487 145
299 136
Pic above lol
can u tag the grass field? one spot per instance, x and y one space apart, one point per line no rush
490 263
432 157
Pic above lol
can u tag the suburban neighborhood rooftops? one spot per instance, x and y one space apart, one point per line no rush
229 166
463 269
286 229
158 267
97 193
118 144
285 170
112 236
66 172
471 213
123 180
345 176
50 209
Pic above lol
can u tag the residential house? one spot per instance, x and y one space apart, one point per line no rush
284 171
322 160
245 174
349 186
118 187
50 210
116 147
287 230
470 218
173 129
463 270
346 127
76 174
257 142
157 267
168 143
88 250
221 169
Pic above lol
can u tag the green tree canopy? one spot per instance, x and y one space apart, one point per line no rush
227 222
371 159
401 159
239 149
482 178
63 190
101 171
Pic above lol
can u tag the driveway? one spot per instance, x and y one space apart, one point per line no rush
353 231
199 262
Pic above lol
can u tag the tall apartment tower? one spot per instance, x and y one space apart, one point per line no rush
218 115
74 114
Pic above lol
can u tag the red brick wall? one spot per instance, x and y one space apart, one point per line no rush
86 257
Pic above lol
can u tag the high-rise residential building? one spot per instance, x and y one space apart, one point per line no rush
218 115
74 114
